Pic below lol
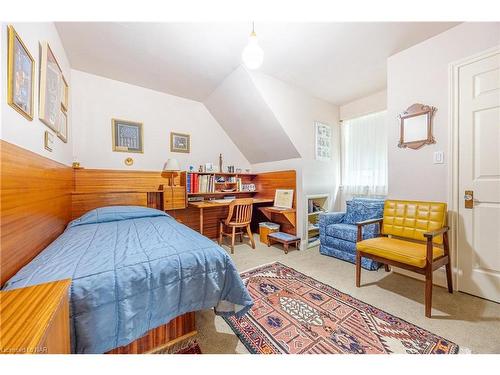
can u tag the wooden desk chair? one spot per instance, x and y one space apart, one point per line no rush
415 228
239 216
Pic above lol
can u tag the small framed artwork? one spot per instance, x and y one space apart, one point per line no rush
64 94
20 75
127 136
323 141
50 88
283 198
49 141
180 142
63 126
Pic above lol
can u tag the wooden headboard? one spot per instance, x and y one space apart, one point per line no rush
104 187
35 205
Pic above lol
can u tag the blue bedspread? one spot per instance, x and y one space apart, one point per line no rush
134 269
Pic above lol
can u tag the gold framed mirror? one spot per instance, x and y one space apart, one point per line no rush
416 126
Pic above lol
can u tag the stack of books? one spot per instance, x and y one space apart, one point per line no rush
200 183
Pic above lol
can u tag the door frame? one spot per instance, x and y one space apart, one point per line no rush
454 195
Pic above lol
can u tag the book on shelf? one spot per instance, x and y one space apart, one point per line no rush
206 183
200 183
194 183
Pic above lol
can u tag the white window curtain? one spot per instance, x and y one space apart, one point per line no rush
364 157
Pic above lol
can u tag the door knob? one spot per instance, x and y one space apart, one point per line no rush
469 199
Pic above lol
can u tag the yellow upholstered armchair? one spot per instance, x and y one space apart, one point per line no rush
413 236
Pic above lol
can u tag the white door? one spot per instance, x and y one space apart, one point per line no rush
479 172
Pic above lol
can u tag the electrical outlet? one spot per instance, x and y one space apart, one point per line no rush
438 157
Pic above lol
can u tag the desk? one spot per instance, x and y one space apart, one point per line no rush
207 204
288 213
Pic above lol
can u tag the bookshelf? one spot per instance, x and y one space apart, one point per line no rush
315 205
217 184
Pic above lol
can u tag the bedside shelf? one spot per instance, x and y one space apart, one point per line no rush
319 202
35 319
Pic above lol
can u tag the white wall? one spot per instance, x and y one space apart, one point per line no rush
15 128
297 111
376 102
246 117
96 100
420 75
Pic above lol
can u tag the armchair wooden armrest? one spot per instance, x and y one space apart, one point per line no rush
370 221
431 235
361 224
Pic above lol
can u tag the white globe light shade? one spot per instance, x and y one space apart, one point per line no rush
252 55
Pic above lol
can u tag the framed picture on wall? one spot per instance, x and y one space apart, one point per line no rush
323 141
127 136
49 141
283 198
63 126
64 94
20 75
50 88
180 142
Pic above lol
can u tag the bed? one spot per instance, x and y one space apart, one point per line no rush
134 269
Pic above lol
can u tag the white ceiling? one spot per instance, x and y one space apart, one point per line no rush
336 61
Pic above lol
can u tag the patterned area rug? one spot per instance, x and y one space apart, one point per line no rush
295 314
192 348
184 347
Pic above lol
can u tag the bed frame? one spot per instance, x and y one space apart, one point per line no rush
35 207
162 338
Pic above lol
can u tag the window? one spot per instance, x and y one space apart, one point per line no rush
364 156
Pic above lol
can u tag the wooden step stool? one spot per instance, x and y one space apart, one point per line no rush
283 238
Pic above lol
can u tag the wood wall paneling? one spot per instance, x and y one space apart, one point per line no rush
266 184
112 181
35 205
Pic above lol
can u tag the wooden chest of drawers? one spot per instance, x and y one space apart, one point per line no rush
35 320
174 198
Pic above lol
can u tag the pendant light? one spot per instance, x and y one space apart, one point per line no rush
252 54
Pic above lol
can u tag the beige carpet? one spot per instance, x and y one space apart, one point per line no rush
471 322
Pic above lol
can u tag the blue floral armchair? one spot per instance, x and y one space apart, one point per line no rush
338 230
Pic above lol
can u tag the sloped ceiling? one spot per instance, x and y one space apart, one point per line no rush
334 61
239 108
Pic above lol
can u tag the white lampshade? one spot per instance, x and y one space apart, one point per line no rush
252 55
172 165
